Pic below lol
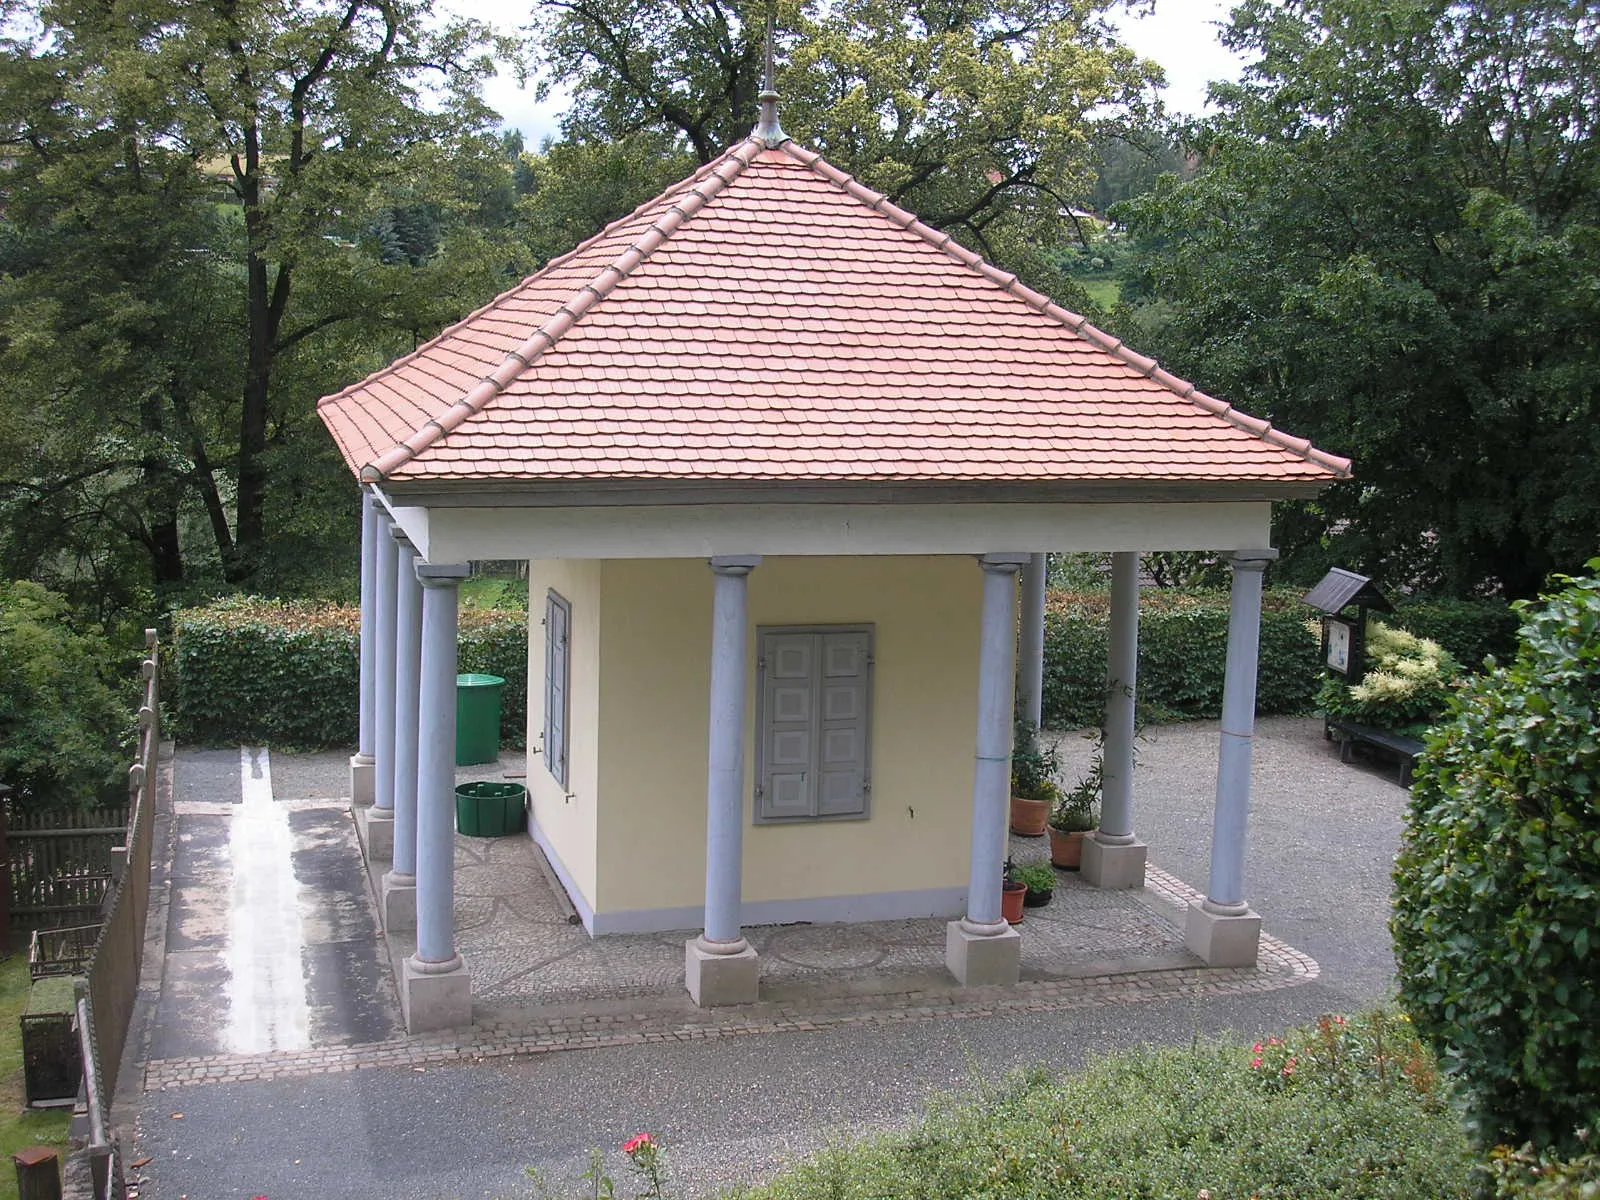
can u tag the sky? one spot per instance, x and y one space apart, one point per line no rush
1181 35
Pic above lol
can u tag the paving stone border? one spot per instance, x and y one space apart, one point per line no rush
1279 966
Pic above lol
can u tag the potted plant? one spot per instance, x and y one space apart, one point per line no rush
1013 894
1033 787
1039 879
1074 816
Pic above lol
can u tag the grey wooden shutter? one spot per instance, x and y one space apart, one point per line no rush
557 684
814 704
788 735
841 744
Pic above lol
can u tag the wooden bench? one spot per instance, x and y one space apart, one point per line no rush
1349 734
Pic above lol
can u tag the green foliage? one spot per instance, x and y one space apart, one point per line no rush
1407 686
62 714
21 1128
1471 630
1036 877
1497 882
1033 766
287 673
1173 1125
1075 810
1529 1174
1183 645
1393 248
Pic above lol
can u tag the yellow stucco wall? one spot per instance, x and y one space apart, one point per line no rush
655 628
569 824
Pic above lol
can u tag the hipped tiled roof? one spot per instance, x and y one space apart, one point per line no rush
771 319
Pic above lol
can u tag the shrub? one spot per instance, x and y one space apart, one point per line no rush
1407 686
1469 629
1497 880
288 673
1176 1124
1183 648
1527 1174
62 713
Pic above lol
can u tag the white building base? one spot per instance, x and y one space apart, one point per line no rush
983 960
362 773
714 980
1114 867
1222 940
376 827
432 1000
399 903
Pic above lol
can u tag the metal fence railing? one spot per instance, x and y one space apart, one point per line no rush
106 996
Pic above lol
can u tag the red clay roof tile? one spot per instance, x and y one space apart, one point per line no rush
772 319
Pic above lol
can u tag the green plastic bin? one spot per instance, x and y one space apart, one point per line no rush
486 809
477 719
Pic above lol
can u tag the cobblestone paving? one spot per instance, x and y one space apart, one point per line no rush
659 1012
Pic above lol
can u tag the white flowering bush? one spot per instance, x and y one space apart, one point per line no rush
1409 679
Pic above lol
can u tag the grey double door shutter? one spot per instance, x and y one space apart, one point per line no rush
815 708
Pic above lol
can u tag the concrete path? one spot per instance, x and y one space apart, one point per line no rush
463 1118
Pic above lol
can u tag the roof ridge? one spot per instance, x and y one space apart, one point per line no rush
1077 323
569 313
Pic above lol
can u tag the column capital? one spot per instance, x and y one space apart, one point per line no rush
442 575
734 564
1007 564
1252 560
401 537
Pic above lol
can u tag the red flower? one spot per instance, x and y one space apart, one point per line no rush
637 1143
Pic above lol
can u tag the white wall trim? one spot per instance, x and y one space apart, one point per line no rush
706 531
820 910
574 894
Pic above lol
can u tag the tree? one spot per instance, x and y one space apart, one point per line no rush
1393 248
212 179
977 117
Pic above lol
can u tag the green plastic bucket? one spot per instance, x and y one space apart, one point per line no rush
477 719
485 809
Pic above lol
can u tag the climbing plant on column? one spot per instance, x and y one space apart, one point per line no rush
1497 882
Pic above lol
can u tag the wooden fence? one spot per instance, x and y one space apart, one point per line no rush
60 866
106 997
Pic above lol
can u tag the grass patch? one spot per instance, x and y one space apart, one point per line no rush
19 1127
1353 1110
487 592
1106 293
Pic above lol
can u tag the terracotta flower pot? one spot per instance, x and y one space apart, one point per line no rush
1066 849
1011 897
1029 817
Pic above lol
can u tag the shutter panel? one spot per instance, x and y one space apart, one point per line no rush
842 724
557 683
788 700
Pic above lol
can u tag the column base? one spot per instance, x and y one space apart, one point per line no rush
363 771
435 1000
399 903
1114 867
714 980
1222 940
376 827
983 960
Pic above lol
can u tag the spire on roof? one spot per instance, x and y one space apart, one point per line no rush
767 128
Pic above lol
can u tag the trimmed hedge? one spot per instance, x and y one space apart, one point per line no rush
1468 629
1183 648
287 673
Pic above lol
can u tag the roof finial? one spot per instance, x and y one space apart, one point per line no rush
767 128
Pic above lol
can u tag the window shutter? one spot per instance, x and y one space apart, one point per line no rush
557 683
788 702
815 702
842 724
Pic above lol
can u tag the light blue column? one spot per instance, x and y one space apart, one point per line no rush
383 668
369 607
1225 894
436 768
991 784
1122 668
1030 670
408 663
725 808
